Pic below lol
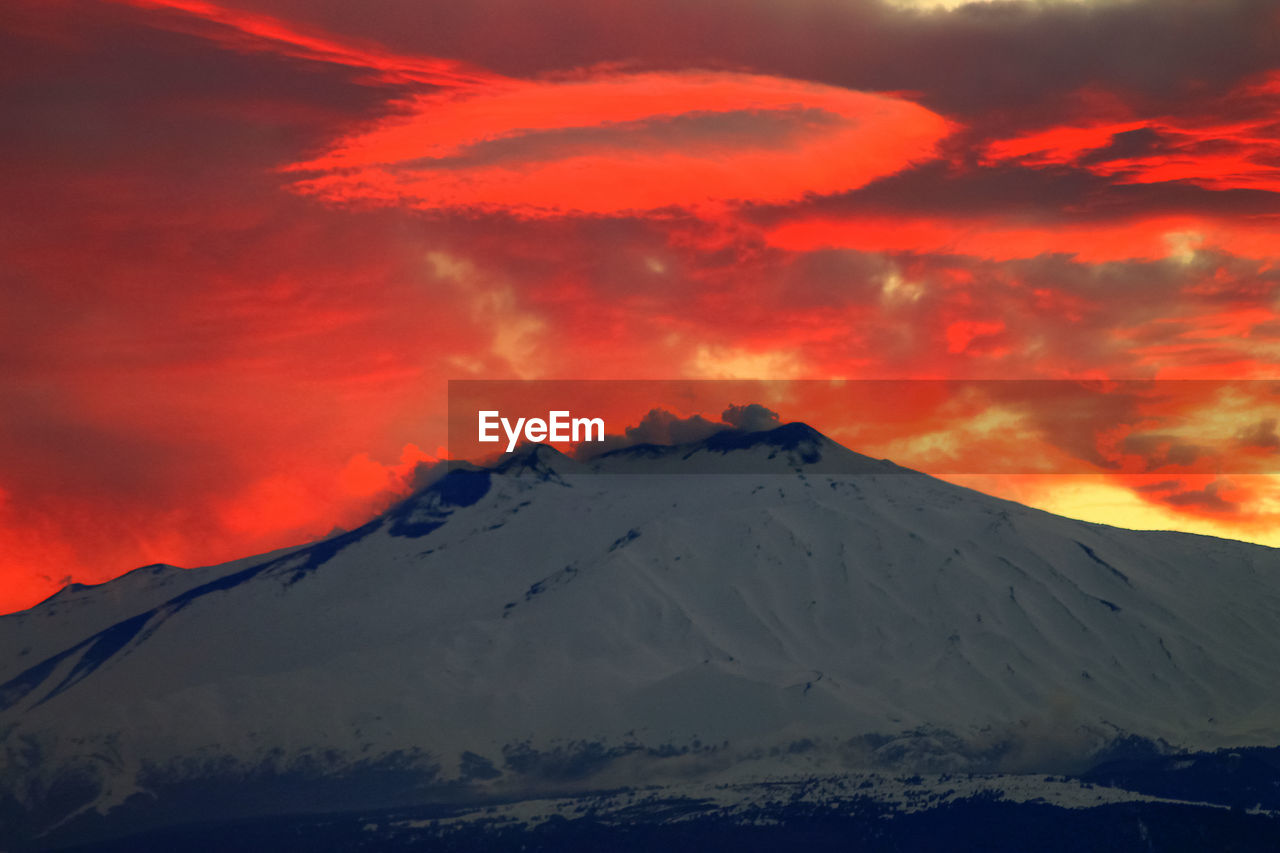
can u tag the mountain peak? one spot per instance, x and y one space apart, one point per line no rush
789 447
143 575
619 627
789 436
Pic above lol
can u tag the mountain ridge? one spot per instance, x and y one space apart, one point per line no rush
549 623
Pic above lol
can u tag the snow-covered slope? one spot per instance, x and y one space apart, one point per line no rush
79 610
554 624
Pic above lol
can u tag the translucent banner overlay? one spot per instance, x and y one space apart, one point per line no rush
942 427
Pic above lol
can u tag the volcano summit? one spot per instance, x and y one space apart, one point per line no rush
550 628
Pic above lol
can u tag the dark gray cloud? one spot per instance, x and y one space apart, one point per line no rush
1207 499
662 427
1158 450
1048 196
94 85
1162 486
1171 493
1261 434
752 417
688 133
1014 62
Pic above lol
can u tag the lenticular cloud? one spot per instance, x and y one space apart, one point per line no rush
624 143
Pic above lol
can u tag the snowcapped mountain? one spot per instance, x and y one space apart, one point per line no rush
648 617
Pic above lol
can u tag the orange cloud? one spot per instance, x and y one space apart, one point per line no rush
607 143
1204 151
243 30
1003 239
246 244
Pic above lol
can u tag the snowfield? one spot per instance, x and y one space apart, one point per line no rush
652 617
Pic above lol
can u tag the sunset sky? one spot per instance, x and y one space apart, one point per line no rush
246 244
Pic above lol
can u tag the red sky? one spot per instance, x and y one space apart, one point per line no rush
245 245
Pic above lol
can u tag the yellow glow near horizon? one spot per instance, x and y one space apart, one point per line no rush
1090 498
